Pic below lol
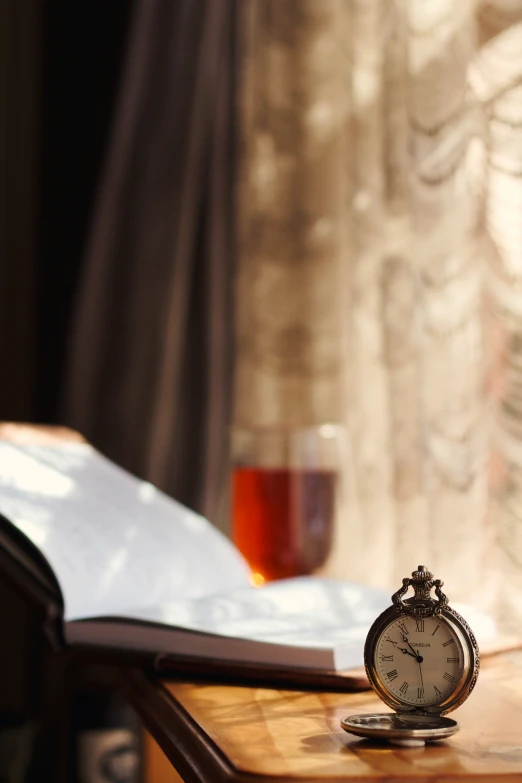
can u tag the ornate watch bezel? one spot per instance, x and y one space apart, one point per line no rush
423 605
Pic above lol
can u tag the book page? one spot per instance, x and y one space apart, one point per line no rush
306 622
305 612
112 540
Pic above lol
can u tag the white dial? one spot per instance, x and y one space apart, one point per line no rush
419 661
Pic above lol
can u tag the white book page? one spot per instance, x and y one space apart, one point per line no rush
302 612
302 623
112 540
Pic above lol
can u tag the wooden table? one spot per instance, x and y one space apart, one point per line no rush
214 733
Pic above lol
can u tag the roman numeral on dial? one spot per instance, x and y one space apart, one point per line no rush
402 628
449 678
450 641
392 675
419 626
404 688
420 693
452 660
386 658
439 693
435 631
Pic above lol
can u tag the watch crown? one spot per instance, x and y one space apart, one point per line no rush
422 574
422 582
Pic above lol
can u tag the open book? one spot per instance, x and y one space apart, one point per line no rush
122 566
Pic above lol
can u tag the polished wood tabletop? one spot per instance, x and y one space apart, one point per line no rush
215 732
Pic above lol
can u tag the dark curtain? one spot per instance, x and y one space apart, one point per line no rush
83 46
149 370
20 44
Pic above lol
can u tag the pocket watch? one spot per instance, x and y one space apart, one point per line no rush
422 659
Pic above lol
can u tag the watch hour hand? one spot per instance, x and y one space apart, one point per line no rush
407 652
405 639
413 652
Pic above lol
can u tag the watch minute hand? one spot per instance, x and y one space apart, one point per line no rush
404 639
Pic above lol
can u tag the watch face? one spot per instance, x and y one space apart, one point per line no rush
419 662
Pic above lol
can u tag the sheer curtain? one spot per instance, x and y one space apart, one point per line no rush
380 266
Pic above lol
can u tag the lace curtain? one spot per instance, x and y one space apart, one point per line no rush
379 281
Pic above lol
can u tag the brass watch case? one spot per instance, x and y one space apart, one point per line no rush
425 608
424 605
413 725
